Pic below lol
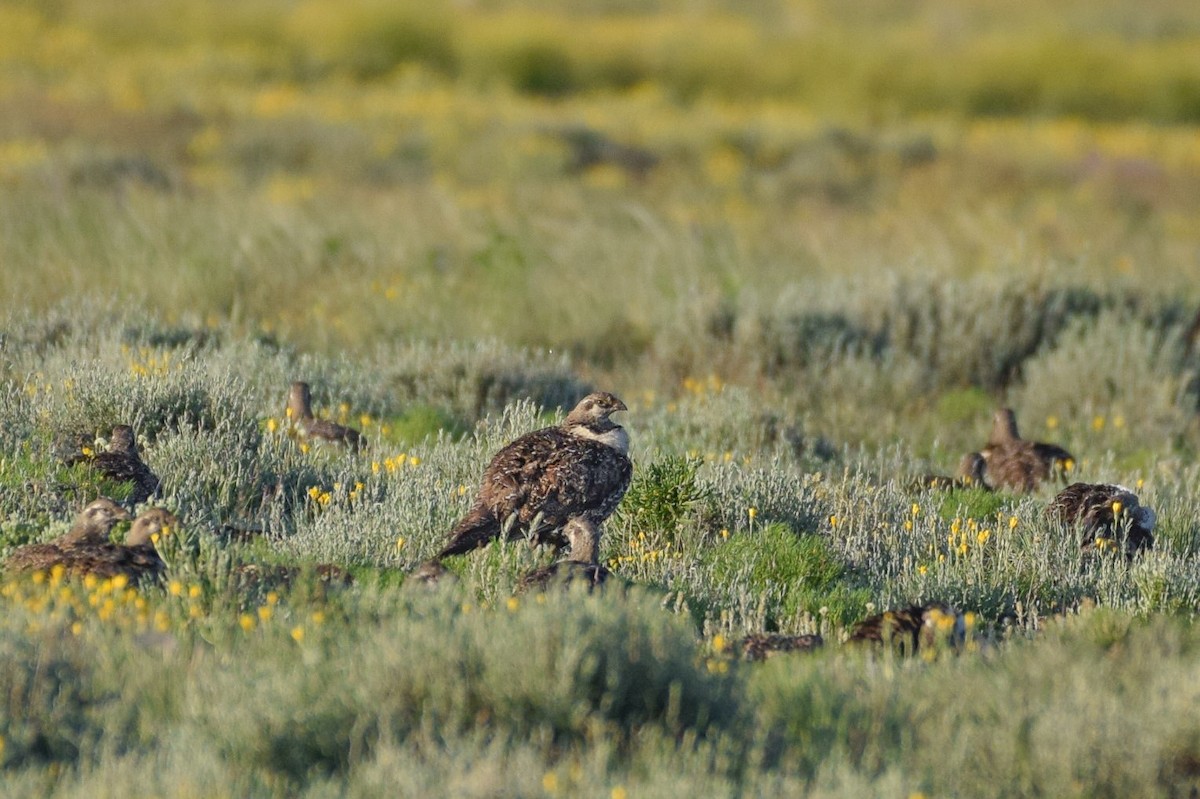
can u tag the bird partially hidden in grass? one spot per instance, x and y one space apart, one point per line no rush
1019 465
260 576
972 473
137 559
92 526
761 646
1108 517
121 462
907 630
581 568
551 484
299 413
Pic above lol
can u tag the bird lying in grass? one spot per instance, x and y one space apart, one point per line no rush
761 646
121 462
972 473
299 412
92 526
907 630
1019 465
1107 517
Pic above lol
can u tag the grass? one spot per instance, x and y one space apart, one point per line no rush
813 246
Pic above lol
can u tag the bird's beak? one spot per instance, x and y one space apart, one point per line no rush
620 406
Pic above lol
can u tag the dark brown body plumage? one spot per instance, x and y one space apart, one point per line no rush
573 473
137 559
908 629
299 411
1019 465
1105 514
566 573
761 646
91 527
123 462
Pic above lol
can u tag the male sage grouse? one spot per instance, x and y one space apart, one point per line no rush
1020 465
91 526
573 474
299 412
1108 516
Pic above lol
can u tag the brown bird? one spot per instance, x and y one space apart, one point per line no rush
123 462
299 411
908 629
251 576
1020 465
1108 516
137 559
761 646
581 567
572 474
91 526
972 471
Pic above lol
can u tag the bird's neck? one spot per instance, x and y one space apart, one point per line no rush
584 539
607 433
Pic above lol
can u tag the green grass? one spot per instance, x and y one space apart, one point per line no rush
812 245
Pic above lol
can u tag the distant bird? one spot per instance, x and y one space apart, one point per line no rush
270 576
122 462
1020 465
1108 516
299 411
761 646
137 559
572 474
582 567
972 471
91 526
908 629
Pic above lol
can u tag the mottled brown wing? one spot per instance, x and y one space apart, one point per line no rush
33 557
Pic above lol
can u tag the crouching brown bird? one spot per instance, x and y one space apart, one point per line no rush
137 559
972 473
581 568
122 462
761 646
1020 465
1107 516
909 629
553 484
299 412
91 526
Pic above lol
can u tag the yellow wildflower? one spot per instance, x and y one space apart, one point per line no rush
297 634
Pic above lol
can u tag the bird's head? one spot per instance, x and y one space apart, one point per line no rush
1004 426
972 469
594 410
299 401
149 525
123 439
102 515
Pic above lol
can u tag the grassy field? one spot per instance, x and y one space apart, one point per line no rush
812 245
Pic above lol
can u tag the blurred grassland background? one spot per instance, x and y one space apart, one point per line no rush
812 244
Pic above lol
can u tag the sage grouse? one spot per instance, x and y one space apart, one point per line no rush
761 646
572 474
137 559
1020 465
91 526
581 568
299 412
123 462
972 471
908 629
1107 516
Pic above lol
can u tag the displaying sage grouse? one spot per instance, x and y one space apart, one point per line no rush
1020 465
137 559
761 646
572 474
91 526
123 462
1107 516
299 411
908 629
972 473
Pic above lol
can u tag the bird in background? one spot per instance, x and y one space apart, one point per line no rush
582 567
761 646
553 486
1019 465
121 461
299 413
92 526
1107 516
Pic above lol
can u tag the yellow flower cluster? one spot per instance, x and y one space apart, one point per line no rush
321 498
395 463
641 552
147 361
